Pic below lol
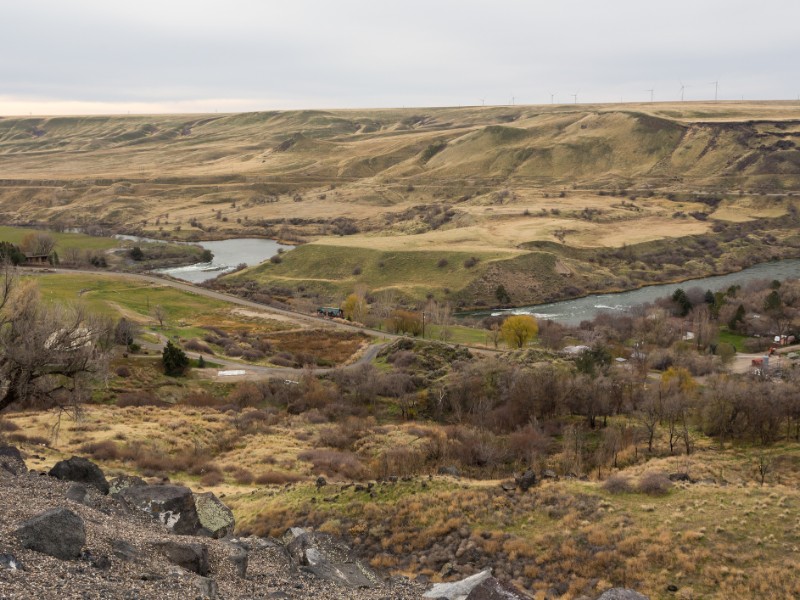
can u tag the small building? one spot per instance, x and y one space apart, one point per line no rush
37 260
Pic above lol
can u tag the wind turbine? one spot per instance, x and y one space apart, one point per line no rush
716 89
683 87
552 95
651 94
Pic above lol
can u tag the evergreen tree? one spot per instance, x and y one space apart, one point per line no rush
174 359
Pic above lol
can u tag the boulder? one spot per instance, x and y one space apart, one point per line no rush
239 557
215 518
549 474
492 589
9 561
458 590
328 558
192 557
80 470
11 460
206 588
58 532
450 470
77 493
525 481
621 594
123 550
172 505
122 482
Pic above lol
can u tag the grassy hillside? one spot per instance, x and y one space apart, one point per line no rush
444 182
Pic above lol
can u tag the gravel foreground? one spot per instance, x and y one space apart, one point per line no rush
103 573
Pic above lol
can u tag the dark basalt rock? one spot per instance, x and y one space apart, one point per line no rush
58 532
192 557
80 470
11 460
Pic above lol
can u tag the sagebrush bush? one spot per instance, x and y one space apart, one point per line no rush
276 478
618 484
105 450
654 484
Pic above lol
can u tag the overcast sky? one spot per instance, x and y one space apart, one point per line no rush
93 56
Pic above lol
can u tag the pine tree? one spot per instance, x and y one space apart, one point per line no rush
174 359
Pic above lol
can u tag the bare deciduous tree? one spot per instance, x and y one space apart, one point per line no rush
38 243
47 353
160 315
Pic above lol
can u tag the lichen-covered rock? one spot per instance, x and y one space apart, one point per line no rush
172 505
621 594
215 518
58 532
80 470
122 482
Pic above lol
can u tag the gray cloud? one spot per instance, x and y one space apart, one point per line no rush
267 54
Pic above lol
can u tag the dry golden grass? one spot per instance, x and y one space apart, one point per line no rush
719 541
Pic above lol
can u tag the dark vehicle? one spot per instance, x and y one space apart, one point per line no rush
330 312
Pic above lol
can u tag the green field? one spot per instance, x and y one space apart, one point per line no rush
341 269
63 240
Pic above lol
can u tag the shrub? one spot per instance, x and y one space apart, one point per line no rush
242 476
201 398
36 440
654 484
442 263
212 478
123 371
332 463
618 484
105 450
8 426
470 262
140 398
276 478
196 345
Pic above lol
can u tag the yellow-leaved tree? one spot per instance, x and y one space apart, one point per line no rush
518 330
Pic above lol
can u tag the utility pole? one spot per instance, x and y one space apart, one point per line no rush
574 98
651 94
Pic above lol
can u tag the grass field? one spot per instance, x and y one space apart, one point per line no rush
63 240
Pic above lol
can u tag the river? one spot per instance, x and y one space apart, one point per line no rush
572 312
227 255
